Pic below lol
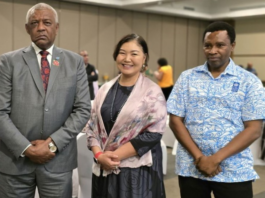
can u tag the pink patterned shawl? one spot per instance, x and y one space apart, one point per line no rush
145 110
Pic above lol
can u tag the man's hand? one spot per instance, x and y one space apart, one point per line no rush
92 73
208 166
37 142
39 151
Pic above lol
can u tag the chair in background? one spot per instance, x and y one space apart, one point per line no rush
164 157
85 161
174 150
168 136
36 193
75 183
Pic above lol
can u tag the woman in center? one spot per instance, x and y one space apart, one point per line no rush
127 121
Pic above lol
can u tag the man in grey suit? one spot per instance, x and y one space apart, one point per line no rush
44 104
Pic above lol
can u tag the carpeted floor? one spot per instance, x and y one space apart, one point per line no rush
260 195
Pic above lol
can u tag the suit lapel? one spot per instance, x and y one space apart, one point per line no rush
30 57
56 64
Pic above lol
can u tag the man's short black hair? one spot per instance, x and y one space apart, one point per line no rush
221 25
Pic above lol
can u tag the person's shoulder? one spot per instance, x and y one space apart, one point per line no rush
151 83
245 73
69 53
247 78
92 66
191 71
167 67
161 69
15 52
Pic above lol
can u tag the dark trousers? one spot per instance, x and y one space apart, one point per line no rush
166 91
196 188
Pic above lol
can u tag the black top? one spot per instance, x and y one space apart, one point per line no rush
121 97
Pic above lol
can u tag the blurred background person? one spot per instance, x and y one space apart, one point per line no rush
95 85
126 126
164 75
251 69
92 75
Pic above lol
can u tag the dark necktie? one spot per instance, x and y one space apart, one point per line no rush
45 69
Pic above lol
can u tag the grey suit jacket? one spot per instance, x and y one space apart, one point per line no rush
27 114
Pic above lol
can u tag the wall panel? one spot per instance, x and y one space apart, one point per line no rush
69 26
201 57
250 38
124 21
180 52
250 42
107 25
193 43
139 24
168 39
6 22
21 37
154 35
88 31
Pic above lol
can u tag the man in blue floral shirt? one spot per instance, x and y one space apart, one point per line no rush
216 112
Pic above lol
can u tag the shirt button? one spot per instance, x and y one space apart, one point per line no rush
46 110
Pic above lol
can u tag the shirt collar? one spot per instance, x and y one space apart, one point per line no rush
230 69
37 49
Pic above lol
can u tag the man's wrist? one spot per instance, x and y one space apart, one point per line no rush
49 139
28 151
217 158
23 153
52 146
197 159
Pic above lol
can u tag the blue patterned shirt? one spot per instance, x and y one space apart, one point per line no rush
215 110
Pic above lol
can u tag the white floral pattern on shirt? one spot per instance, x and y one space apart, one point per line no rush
214 111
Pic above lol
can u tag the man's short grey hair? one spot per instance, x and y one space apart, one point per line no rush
41 6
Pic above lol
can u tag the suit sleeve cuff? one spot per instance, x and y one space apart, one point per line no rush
22 154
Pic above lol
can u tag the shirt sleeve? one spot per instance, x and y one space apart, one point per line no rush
22 154
254 105
176 100
145 141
